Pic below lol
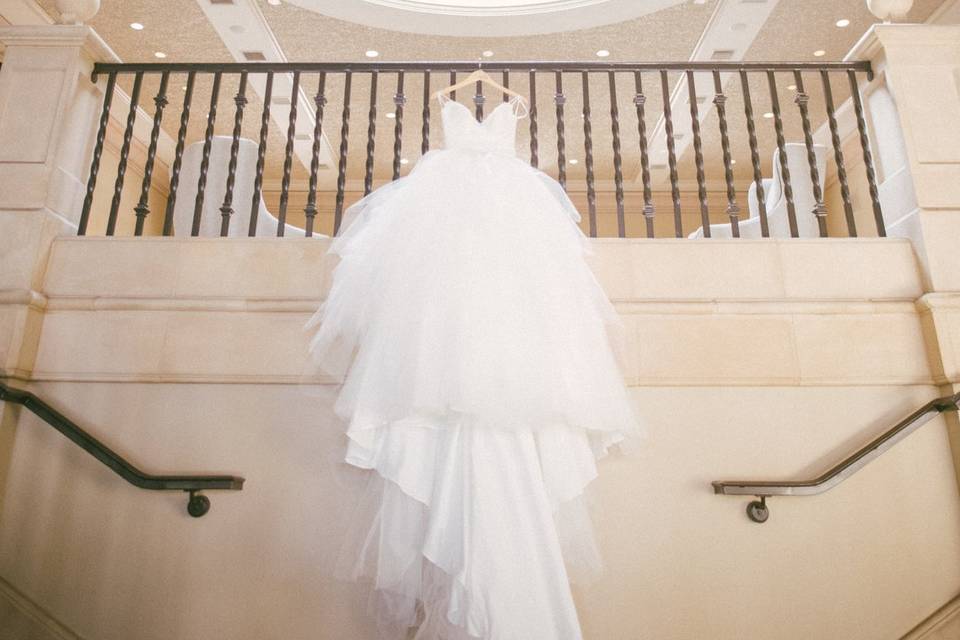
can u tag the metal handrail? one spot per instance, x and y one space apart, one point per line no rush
757 510
198 504
461 65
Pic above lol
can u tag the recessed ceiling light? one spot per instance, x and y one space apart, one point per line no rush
391 114
768 115
819 53
733 162
159 54
372 54
843 23
573 161
488 54
404 161
275 3
603 53
136 26
791 87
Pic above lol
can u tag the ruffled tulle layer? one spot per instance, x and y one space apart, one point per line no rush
467 532
481 382
462 286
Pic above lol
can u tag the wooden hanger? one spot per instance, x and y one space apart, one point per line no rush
481 76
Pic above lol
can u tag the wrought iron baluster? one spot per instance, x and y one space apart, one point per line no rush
124 154
588 158
205 159
782 153
261 152
425 116
720 100
698 153
226 210
178 154
560 101
617 157
398 100
143 206
320 99
640 101
867 155
97 154
754 155
802 99
506 85
288 156
838 154
478 101
534 142
342 164
371 134
671 154
453 81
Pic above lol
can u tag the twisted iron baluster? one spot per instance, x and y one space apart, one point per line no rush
310 211
754 155
143 207
205 158
640 101
124 154
802 99
588 148
867 155
698 154
838 155
671 154
342 165
534 143
398 100
617 157
261 151
288 156
226 210
720 100
425 115
178 154
371 134
97 154
561 100
782 152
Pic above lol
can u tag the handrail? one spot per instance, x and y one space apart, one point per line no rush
463 65
198 504
757 510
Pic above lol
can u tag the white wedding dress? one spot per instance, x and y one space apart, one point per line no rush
481 384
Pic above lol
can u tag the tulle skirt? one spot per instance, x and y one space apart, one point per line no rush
481 382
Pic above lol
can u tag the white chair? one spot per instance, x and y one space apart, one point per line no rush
216 188
777 219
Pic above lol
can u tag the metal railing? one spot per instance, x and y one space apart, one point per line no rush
198 504
757 510
651 84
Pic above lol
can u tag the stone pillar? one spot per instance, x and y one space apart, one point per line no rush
921 64
49 110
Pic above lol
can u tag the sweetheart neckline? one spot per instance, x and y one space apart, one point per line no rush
489 115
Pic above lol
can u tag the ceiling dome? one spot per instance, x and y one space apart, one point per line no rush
485 17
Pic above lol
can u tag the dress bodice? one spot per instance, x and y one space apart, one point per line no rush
497 133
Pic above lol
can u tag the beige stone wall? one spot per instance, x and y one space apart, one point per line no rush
747 359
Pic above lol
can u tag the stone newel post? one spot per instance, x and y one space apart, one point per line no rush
921 64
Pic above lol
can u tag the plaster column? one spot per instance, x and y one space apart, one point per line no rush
922 68
49 111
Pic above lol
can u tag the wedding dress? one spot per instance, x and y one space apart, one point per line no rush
481 383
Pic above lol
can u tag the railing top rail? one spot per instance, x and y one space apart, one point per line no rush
453 65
